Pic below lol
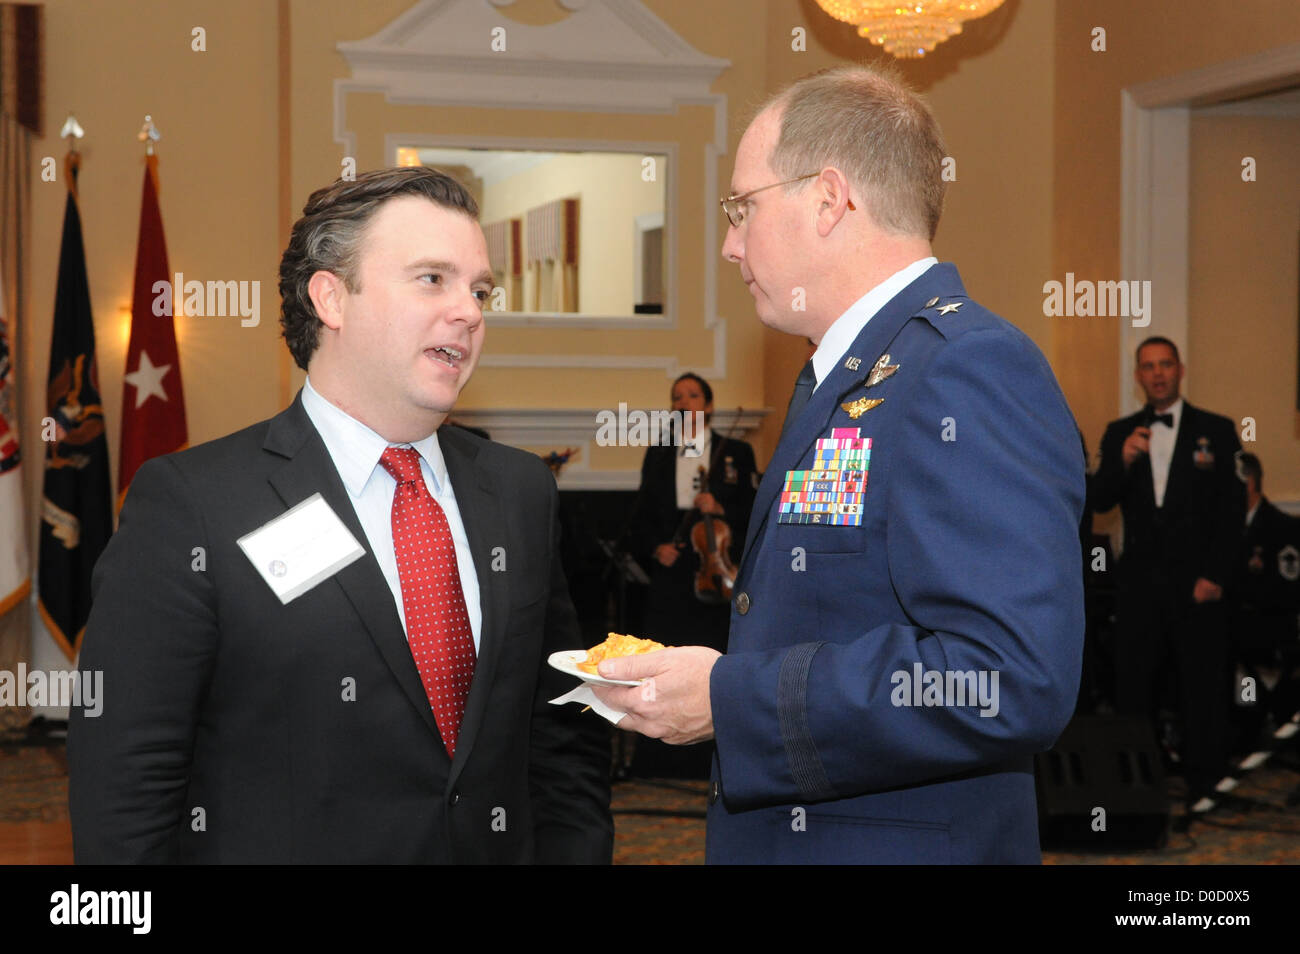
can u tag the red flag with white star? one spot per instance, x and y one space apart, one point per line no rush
153 403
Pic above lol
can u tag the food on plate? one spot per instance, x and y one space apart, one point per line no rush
617 644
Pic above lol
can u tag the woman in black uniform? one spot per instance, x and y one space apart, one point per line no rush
671 500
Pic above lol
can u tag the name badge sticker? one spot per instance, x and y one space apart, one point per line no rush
298 549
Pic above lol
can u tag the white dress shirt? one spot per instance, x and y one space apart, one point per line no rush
355 450
849 325
1161 450
688 469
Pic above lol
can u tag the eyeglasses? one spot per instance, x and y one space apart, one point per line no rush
733 206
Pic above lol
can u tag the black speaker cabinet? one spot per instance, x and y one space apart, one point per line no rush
1102 787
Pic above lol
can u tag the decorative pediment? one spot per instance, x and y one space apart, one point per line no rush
609 55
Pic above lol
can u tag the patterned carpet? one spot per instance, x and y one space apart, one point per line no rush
1255 827
33 783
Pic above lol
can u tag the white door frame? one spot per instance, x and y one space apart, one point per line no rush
1154 200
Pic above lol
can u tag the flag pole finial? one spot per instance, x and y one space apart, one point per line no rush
71 131
148 135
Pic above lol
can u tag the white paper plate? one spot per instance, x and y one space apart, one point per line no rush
567 661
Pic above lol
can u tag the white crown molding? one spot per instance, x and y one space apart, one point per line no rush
607 55
610 55
562 429
1249 107
570 427
1257 73
539 427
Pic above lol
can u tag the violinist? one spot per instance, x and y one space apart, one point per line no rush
683 607
673 500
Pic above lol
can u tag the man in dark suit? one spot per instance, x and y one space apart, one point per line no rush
1264 594
324 637
1170 467
908 623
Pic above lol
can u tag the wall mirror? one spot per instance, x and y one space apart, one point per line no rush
569 233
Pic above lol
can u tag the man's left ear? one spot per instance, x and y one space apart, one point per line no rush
832 199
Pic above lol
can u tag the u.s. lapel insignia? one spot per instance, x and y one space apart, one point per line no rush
1203 457
862 405
882 370
852 363
950 307
1288 563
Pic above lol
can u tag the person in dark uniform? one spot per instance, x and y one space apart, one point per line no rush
1265 599
1170 467
672 499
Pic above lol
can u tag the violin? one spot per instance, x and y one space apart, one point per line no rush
716 578
711 538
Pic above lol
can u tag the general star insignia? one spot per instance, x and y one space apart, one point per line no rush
950 307
861 406
880 371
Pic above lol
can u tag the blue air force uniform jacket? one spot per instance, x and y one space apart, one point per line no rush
887 683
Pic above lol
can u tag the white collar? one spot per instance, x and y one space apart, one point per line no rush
849 325
356 449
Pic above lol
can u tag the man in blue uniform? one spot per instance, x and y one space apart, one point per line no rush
908 623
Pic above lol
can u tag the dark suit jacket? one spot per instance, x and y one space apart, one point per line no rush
656 517
1265 590
227 732
967 561
1196 532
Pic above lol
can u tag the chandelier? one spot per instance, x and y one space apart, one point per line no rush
908 30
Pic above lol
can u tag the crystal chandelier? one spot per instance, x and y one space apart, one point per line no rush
908 30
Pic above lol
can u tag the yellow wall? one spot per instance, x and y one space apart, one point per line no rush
1031 116
1145 41
111 63
991 90
1242 292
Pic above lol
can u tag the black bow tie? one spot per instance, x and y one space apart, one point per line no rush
1166 419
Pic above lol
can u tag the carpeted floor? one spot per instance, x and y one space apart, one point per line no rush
1255 827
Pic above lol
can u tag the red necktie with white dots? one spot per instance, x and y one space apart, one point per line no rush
437 625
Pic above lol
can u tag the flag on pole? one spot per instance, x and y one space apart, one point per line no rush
15 577
153 402
77 506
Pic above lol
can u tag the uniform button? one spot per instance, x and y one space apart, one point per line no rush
454 798
742 603
715 792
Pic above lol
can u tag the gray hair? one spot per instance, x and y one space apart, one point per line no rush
866 122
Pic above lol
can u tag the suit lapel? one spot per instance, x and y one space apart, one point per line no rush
480 512
308 470
941 280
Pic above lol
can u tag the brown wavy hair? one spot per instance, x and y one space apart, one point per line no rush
328 238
